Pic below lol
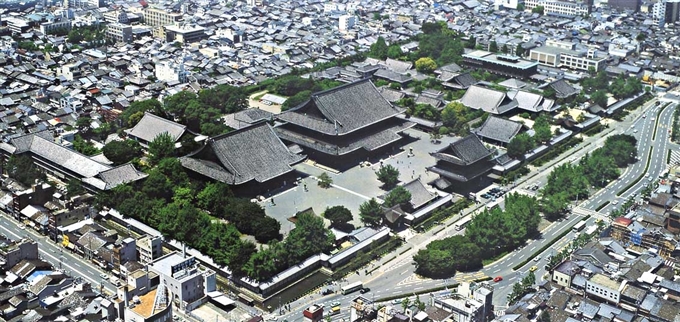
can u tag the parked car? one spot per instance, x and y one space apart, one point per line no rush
537 258
497 279
397 301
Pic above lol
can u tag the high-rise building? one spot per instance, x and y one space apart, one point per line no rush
347 22
625 4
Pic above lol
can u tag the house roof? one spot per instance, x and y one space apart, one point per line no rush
150 126
532 102
498 129
252 153
419 193
465 151
488 100
563 89
342 110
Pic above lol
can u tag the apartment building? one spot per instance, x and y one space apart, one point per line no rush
118 32
181 277
562 54
13 252
149 248
158 18
49 27
560 8
605 288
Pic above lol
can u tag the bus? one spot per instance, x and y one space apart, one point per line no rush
351 288
578 227
462 223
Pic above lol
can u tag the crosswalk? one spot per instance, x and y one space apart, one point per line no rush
459 277
675 157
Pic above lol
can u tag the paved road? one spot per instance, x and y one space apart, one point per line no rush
658 145
55 254
396 277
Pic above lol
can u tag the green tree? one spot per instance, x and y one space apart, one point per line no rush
137 108
325 181
539 10
120 152
379 49
397 196
338 215
162 146
214 197
296 100
309 237
542 129
426 65
405 303
520 145
74 187
519 50
388 175
455 117
371 212
520 7
394 51
493 46
505 49
84 147
83 123
529 280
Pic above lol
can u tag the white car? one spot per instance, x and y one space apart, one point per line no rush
103 276
635 131
537 258
616 202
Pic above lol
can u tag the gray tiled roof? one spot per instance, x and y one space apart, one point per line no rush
69 159
563 89
498 129
253 153
391 95
150 126
419 194
488 100
530 101
120 175
465 151
342 110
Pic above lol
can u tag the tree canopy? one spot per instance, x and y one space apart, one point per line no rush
388 175
397 196
489 233
371 212
426 65
379 49
338 215
120 152
520 145
162 146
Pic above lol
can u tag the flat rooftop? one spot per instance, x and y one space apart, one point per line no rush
165 264
490 57
605 281
145 308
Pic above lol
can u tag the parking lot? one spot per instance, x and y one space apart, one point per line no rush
354 186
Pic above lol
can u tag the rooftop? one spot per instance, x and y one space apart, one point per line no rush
605 281
146 307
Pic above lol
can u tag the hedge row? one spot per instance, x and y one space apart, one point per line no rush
634 182
555 151
546 246
656 122
443 214
602 206
356 263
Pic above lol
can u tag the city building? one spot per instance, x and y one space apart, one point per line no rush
605 288
116 16
181 277
184 33
641 238
158 18
56 24
251 160
149 248
504 65
13 252
313 313
498 130
66 216
563 54
507 4
489 100
150 307
346 22
344 125
468 304
171 71
622 5
119 32
565 272
561 8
